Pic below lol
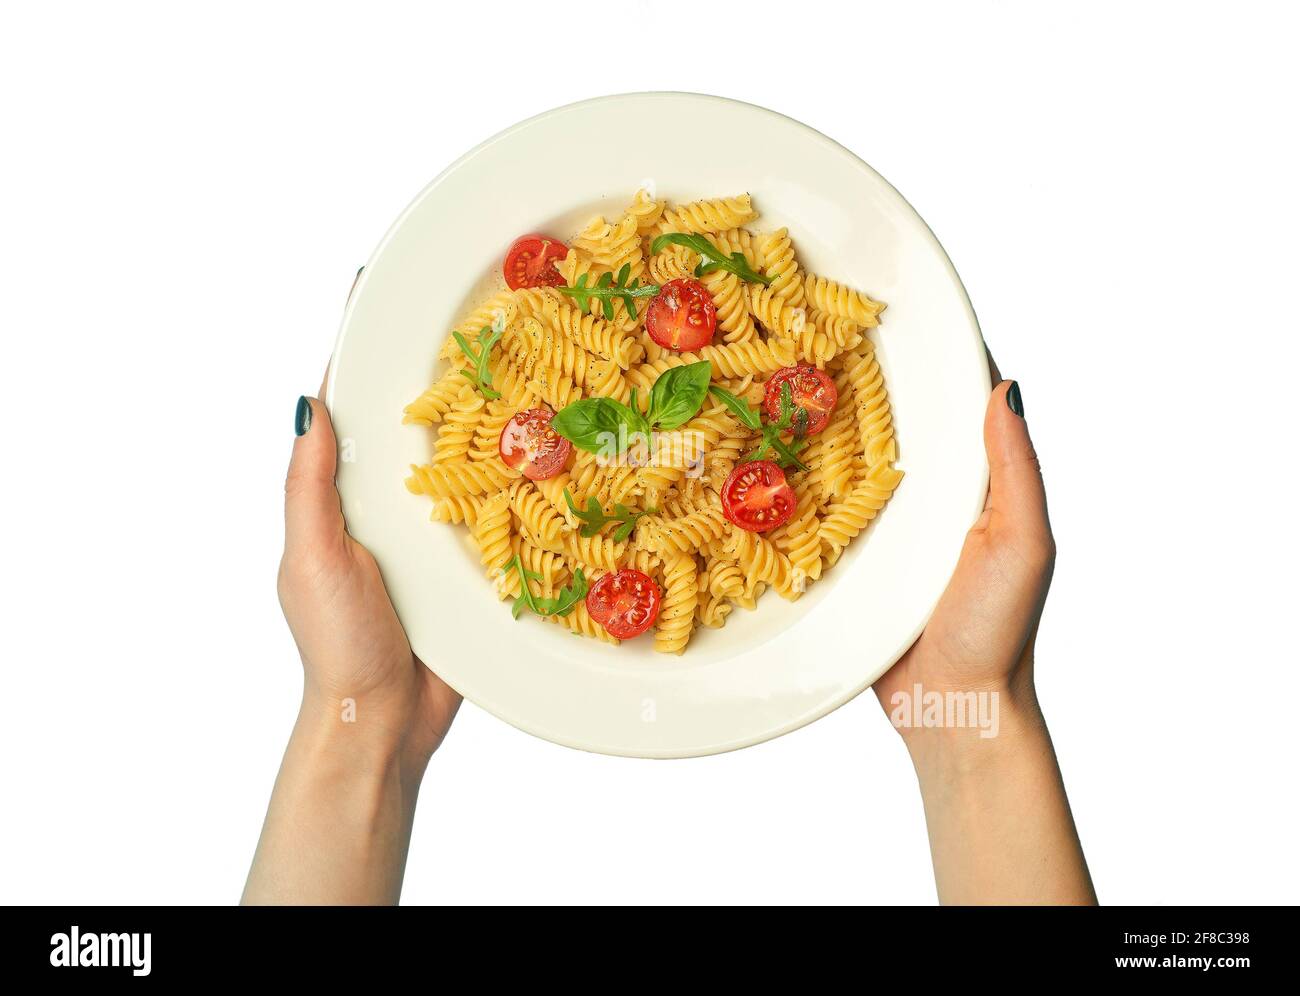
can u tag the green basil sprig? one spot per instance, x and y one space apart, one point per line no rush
594 518
677 395
609 289
479 374
711 257
786 453
601 425
561 605
608 427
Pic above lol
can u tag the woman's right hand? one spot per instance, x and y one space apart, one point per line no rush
1000 825
981 634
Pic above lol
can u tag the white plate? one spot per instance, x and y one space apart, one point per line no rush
768 671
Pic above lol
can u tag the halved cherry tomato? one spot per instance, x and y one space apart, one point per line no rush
810 389
530 262
681 316
625 602
532 447
756 497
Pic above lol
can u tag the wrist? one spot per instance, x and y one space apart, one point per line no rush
955 733
362 739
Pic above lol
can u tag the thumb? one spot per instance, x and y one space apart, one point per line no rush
312 514
1017 498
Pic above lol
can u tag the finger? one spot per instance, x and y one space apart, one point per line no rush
355 281
994 372
312 514
995 376
1016 491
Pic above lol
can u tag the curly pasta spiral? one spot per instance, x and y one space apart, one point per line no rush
487 434
798 539
747 358
712 610
609 485
646 210
581 623
832 473
687 452
840 301
435 402
871 404
738 240
724 578
554 387
552 489
730 362
492 535
602 247
677 609
776 253
538 519
684 534
532 347
458 427
646 562
731 301
500 305
457 510
547 563
841 331
776 314
708 215
761 562
599 552
816 347
595 335
845 519
455 480
673 263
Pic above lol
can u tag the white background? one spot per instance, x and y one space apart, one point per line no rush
187 191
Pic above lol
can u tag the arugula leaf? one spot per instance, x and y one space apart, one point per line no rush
739 407
786 453
678 393
525 599
569 596
594 518
480 375
609 289
561 605
711 257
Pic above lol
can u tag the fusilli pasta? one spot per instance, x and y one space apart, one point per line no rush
553 351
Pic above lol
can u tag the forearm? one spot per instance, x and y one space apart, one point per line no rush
1000 826
339 821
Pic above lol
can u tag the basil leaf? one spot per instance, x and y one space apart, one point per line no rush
677 394
597 425
748 416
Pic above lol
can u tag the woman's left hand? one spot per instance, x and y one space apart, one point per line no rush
355 655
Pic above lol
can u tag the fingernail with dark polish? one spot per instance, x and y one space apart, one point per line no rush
1013 399
302 417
